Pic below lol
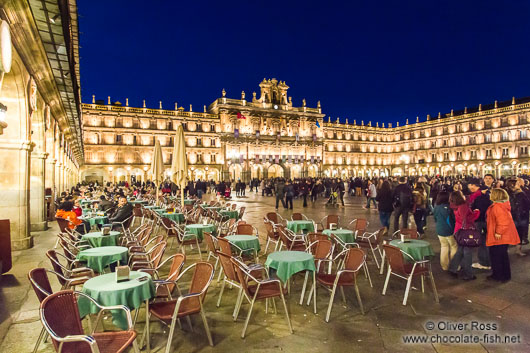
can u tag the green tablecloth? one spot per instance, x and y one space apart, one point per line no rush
212 208
345 235
97 239
159 210
297 226
151 207
418 249
95 220
99 258
188 201
287 263
107 292
138 201
87 202
229 214
198 229
177 217
244 242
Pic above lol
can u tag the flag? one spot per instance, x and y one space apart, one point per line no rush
317 123
241 116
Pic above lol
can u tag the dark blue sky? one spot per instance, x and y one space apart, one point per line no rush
367 60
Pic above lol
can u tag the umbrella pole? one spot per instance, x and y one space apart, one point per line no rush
182 195
156 188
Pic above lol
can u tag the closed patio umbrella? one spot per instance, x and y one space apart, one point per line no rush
157 167
179 163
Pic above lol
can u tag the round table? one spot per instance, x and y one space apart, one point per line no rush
151 207
107 292
188 201
287 263
212 208
229 214
177 217
138 201
418 249
159 210
345 235
97 239
198 229
244 241
99 258
298 226
93 220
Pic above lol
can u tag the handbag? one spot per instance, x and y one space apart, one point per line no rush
468 236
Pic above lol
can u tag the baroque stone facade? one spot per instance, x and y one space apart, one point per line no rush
268 137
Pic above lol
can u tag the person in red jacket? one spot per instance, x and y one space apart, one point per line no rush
501 233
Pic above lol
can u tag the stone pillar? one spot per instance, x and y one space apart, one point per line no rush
51 183
15 178
38 217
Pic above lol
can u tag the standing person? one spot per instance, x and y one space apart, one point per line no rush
371 194
420 208
339 188
402 203
289 194
501 233
444 220
279 190
315 190
464 254
520 208
384 204
480 200
305 189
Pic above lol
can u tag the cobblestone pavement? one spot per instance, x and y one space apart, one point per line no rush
381 329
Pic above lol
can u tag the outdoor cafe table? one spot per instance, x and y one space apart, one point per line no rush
151 207
188 201
212 208
87 202
97 239
93 220
177 217
298 226
159 210
287 263
244 242
99 258
418 249
345 235
107 292
198 229
138 201
229 214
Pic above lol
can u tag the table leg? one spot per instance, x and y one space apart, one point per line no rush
314 292
303 287
147 326
382 269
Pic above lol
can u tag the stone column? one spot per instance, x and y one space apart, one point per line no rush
51 183
15 178
37 192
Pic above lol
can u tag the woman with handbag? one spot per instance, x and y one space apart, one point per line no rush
501 233
464 219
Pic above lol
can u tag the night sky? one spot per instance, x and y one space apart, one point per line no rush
366 60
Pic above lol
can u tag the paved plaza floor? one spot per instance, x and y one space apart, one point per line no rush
382 328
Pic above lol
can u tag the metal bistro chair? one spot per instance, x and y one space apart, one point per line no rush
59 314
328 220
345 276
165 287
76 275
297 216
185 305
246 229
407 270
291 242
263 289
358 226
272 235
372 241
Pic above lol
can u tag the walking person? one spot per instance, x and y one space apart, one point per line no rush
289 194
464 254
384 204
279 190
444 220
520 208
419 208
402 197
339 188
371 194
501 233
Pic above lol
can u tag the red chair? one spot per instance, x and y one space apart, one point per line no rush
246 229
42 287
59 314
291 242
358 226
272 235
188 304
263 289
298 217
327 221
165 287
407 270
346 276
372 242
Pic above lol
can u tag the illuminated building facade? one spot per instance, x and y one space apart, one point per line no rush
268 137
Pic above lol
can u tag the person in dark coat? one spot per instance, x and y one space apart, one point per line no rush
402 198
123 211
385 204
280 193
289 194
520 210
104 204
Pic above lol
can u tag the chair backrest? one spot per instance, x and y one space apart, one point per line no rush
210 242
224 246
354 259
158 253
228 266
273 217
297 216
285 238
332 218
175 269
394 257
322 249
360 225
137 212
234 206
270 230
168 224
412 233
56 264
241 275
247 229
312 237
202 276
61 315
40 283
63 224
